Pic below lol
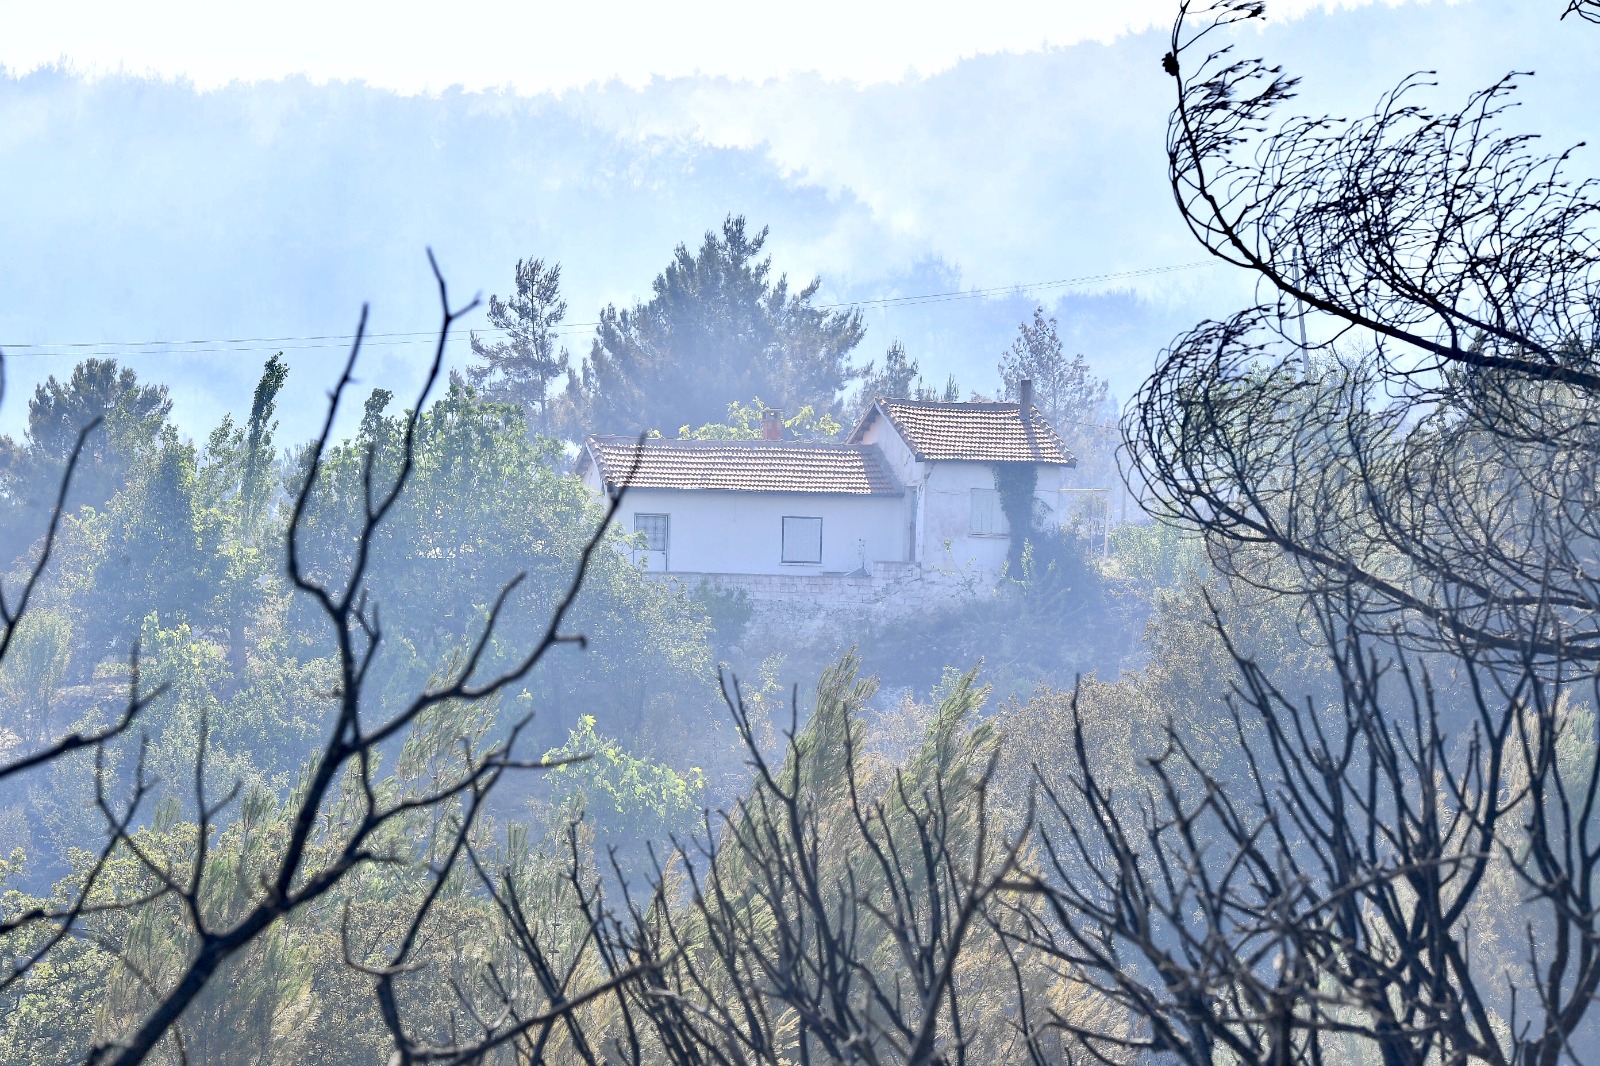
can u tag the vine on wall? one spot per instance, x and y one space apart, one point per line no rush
1015 484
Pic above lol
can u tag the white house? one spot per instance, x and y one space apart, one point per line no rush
912 489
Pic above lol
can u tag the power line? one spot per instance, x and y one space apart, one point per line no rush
1001 290
246 345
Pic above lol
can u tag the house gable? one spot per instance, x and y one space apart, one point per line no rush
967 432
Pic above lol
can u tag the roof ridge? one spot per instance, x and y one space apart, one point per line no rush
727 442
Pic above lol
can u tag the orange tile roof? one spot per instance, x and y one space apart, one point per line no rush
975 432
743 466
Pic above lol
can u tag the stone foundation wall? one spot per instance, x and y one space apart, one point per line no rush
802 606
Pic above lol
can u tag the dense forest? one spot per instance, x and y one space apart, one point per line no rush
378 748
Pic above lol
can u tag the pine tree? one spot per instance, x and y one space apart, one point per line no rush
133 415
717 329
900 379
520 368
1065 391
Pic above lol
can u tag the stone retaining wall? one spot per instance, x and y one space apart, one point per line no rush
802 606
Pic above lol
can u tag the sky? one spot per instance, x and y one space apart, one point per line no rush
227 186
544 47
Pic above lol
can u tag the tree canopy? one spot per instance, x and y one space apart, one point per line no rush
520 367
1065 390
900 378
129 416
718 328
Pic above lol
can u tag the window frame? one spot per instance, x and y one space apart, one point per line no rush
996 516
666 531
783 540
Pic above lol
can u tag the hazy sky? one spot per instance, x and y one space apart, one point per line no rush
534 47
218 214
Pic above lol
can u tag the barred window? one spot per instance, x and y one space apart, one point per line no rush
653 528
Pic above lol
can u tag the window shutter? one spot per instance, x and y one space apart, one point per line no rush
802 540
985 511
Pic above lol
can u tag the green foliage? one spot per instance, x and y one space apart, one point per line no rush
519 368
899 379
158 548
1015 483
1187 675
488 502
625 796
134 417
186 557
836 863
1053 618
744 423
239 463
32 674
290 998
1156 555
728 610
238 483
1069 394
716 328
1065 390
819 761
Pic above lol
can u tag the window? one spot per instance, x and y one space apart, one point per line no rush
986 517
802 540
653 530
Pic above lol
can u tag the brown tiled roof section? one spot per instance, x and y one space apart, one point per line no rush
976 432
744 466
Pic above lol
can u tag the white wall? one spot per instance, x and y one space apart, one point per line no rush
742 532
947 538
896 453
909 472
946 521
941 494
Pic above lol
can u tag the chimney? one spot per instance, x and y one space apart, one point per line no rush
1025 399
771 425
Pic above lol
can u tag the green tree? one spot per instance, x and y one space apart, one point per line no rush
745 421
1065 390
134 415
32 674
636 799
900 379
717 328
487 502
131 417
237 481
155 547
1051 620
519 368
193 928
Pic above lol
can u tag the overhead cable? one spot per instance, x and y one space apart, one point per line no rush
244 345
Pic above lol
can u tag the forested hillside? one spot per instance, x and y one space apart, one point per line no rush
379 746
160 615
